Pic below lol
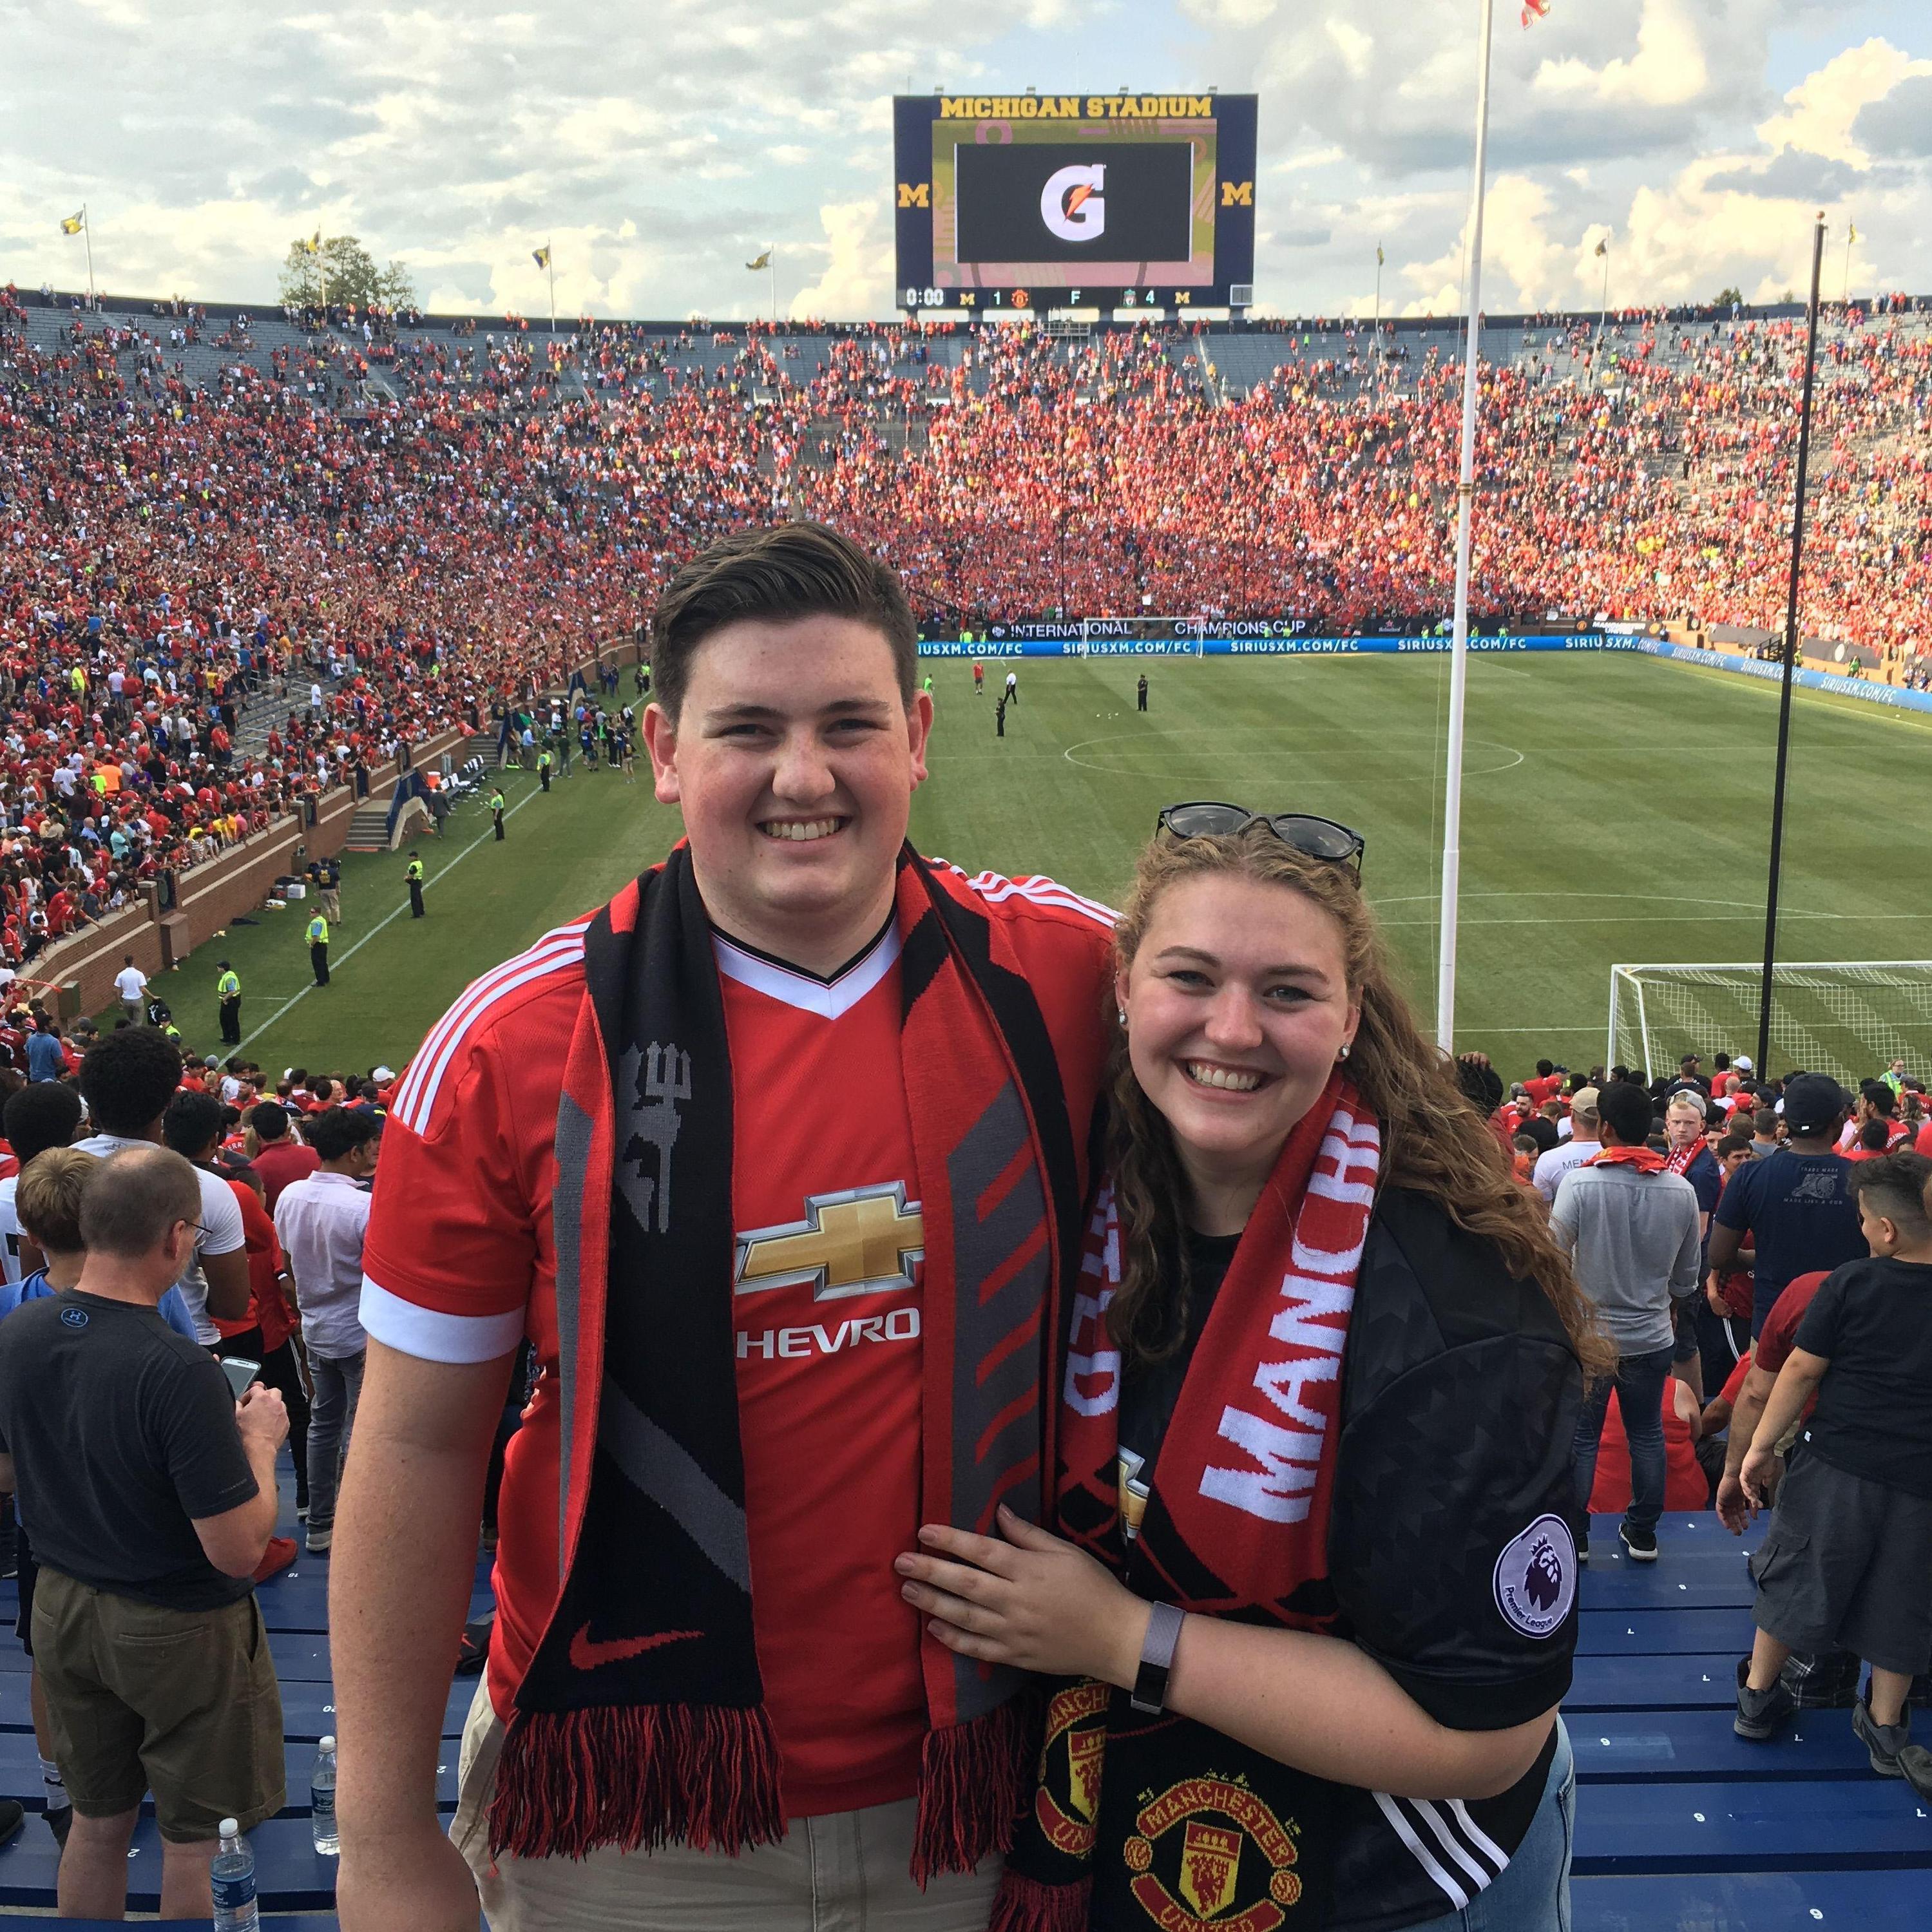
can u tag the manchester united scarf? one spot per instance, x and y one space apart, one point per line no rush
640 1720
1162 1821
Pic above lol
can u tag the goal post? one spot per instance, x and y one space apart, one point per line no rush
1850 1019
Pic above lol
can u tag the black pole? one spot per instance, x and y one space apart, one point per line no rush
1790 661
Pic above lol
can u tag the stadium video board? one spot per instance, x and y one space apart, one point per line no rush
1023 202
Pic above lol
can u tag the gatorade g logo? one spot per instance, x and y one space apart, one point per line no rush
1072 204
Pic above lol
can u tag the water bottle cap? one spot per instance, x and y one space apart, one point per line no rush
327 1744
231 1828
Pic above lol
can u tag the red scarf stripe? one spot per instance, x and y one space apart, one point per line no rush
1247 1470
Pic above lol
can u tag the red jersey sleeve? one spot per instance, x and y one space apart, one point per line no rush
1779 1335
458 1242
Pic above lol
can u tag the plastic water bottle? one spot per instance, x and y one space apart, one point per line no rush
233 1879
322 1799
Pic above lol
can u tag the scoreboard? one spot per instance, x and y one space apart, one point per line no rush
1021 202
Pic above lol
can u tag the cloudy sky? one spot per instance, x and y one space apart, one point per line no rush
661 144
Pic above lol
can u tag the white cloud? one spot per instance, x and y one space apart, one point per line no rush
857 277
1668 69
1820 110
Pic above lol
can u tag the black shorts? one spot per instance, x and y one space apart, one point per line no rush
1844 1567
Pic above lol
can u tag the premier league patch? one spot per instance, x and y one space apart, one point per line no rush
1536 1577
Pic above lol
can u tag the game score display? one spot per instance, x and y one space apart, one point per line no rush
1031 202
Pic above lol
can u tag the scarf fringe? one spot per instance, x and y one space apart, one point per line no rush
636 1777
1025 1905
973 1780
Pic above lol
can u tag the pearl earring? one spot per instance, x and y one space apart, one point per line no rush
1344 1054
1121 1014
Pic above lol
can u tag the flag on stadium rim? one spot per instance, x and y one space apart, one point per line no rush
541 256
1604 244
74 223
764 261
1534 11
313 246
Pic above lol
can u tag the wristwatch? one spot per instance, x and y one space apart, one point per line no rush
1149 1695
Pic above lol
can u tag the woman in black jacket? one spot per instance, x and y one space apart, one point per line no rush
1310 1609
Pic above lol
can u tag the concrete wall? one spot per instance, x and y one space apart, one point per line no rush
208 898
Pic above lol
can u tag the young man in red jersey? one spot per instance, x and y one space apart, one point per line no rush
779 1160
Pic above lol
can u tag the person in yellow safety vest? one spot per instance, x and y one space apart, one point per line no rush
318 948
414 873
497 813
228 991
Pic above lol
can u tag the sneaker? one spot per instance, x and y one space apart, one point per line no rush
318 1539
58 1822
1762 1714
301 1512
12 1815
1893 1753
1641 1543
1583 1546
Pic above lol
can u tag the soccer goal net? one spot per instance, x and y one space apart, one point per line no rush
1849 1018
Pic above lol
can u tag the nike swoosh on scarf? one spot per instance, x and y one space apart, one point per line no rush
587 1654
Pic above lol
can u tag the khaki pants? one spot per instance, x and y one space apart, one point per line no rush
846 1873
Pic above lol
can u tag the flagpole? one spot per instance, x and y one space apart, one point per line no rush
1603 309
1790 657
1374 368
549 266
772 263
1851 236
1465 491
87 236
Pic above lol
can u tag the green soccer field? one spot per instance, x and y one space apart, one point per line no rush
1615 810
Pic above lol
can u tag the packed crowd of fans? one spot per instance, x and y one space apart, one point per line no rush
360 567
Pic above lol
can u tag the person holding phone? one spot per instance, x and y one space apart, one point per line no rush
149 1493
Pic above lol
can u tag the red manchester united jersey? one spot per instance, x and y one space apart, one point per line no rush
826 1294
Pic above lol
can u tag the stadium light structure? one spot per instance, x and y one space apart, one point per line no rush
1790 654
1465 493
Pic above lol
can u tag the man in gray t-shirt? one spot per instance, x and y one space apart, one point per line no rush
1632 1232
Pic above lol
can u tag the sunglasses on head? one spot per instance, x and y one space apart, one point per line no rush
1318 838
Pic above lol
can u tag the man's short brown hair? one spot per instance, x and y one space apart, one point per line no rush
47 1200
132 1198
789 570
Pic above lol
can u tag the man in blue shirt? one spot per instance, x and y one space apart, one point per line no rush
1795 1204
46 1060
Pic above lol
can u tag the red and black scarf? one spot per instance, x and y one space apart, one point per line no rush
1161 1820
640 1720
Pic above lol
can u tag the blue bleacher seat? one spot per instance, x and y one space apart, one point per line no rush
1869 1901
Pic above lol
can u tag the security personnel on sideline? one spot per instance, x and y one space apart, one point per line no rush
414 873
496 812
228 991
318 948
543 762
328 882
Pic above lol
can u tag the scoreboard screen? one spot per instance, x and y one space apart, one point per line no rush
1019 202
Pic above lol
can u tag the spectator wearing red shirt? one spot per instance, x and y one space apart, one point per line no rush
280 1157
788 729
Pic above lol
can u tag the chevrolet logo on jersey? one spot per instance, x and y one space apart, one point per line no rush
860 1241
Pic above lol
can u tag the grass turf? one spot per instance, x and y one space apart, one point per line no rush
1615 808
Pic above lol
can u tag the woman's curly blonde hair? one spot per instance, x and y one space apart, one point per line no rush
1435 1143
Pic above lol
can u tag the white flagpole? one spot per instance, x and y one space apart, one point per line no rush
87 236
1465 491
772 263
549 266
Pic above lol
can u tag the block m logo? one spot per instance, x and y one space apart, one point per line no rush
918 194
1235 194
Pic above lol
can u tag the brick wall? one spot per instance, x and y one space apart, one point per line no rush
208 898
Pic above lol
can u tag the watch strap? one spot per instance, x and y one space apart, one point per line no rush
1149 1695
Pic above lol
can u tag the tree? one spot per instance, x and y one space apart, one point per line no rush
346 273
1724 298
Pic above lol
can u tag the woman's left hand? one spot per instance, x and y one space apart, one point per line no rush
1030 1601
